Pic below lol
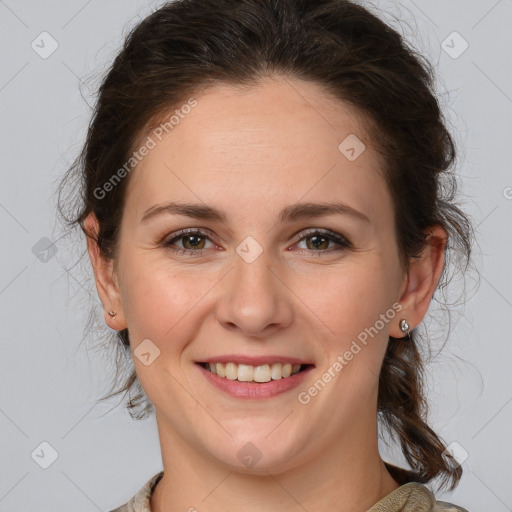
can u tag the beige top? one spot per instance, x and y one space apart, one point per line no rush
410 497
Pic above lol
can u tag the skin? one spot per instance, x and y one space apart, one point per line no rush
250 153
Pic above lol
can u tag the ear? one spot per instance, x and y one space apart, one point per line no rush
421 281
105 277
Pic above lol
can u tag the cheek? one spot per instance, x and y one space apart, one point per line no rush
352 299
159 299
355 305
359 311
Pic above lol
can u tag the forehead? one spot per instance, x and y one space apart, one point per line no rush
283 138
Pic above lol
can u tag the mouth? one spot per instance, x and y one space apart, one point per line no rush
261 382
257 374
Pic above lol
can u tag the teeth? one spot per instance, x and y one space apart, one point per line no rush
248 373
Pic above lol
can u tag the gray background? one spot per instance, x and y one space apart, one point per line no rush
50 380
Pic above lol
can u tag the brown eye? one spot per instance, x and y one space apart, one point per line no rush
192 241
318 241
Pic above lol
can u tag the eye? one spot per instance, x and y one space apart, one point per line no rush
193 241
318 240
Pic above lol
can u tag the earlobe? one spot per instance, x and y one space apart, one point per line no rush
106 284
423 277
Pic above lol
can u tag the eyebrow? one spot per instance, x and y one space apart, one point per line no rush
290 213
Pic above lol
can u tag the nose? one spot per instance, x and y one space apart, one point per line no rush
254 298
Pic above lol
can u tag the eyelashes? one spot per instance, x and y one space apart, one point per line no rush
197 236
187 233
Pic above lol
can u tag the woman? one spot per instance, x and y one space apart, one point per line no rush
267 206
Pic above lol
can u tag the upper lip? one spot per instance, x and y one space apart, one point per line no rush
254 361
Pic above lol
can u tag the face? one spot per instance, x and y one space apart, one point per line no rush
257 283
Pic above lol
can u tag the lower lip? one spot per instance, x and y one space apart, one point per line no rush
255 390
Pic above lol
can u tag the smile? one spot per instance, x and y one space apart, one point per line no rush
251 389
249 373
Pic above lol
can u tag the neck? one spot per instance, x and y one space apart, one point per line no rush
347 477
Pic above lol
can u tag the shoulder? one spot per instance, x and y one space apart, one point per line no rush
140 502
413 497
444 506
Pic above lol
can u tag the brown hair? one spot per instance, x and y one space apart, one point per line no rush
189 45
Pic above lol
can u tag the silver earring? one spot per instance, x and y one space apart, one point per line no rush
112 313
404 327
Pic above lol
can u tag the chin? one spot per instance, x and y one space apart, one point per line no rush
258 454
